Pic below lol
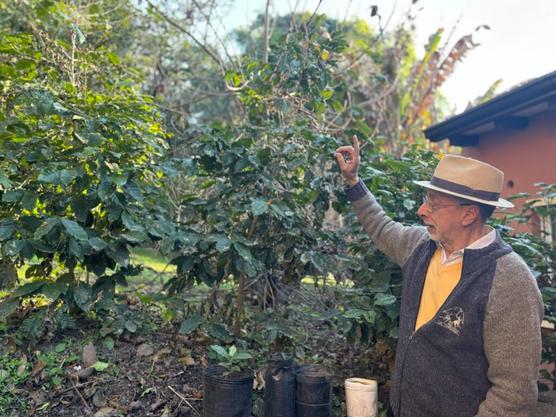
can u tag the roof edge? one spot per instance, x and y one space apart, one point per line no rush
520 97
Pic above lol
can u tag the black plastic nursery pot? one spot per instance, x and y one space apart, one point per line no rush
227 395
279 397
314 392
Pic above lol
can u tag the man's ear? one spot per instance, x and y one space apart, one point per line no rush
470 215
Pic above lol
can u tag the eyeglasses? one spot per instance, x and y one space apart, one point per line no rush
432 207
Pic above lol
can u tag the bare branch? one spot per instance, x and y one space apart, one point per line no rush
184 30
265 45
314 13
184 399
209 24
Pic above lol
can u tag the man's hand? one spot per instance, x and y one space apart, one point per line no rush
348 160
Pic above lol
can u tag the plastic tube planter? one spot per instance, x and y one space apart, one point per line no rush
227 395
361 397
279 398
314 392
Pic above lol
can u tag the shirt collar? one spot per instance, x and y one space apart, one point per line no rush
457 256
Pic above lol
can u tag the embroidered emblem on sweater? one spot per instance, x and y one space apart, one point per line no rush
451 319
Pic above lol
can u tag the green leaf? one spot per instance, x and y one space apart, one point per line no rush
191 324
4 181
7 229
108 342
409 204
63 177
28 289
45 227
134 191
12 196
130 326
60 347
119 254
8 274
29 200
113 58
100 366
218 331
77 249
243 252
222 243
382 299
354 313
80 36
326 94
106 189
8 306
32 324
370 316
380 282
219 350
74 229
243 356
81 206
258 207
97 243
130 223
364 127
394 332
232 351
53 290
135 236
82 297
14 247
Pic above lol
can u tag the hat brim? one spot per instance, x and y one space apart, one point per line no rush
500 203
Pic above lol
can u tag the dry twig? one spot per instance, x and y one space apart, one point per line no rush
89 410
185 400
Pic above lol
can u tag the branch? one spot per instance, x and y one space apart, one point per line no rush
314 13
265 44
215 33
184 399
184 30
89 411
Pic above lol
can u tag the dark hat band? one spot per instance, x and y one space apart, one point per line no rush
462 189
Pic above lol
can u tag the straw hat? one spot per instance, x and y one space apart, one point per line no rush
468 178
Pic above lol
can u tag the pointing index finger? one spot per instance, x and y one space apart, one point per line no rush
355 141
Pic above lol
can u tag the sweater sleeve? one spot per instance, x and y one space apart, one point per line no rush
395 240
512 340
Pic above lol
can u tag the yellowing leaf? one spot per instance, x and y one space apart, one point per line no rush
100 366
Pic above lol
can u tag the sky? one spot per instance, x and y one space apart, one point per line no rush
520 45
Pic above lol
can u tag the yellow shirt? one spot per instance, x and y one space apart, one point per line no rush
441 279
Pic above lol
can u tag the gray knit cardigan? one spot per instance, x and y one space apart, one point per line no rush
479 356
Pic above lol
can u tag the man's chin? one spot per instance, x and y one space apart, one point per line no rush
432 234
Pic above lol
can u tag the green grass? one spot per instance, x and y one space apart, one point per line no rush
156 268
13 371
152 259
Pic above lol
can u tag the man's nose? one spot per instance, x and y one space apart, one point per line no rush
422 210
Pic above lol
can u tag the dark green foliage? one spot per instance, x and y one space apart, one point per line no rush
80 166
264 184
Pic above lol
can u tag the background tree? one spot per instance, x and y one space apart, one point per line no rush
81 161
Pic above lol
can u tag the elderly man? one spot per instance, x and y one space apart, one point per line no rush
469 342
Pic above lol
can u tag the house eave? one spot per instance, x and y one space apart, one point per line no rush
508 109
